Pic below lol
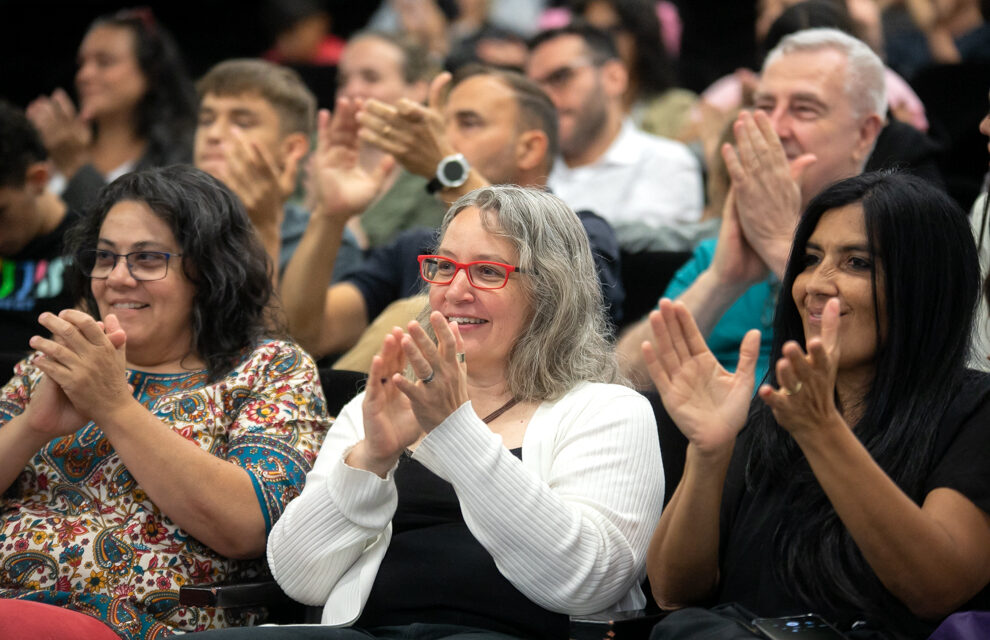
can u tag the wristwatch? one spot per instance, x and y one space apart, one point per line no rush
452 172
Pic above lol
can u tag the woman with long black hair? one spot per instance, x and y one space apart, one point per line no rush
855 485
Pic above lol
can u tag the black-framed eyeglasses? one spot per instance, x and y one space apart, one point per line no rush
143 266
482 274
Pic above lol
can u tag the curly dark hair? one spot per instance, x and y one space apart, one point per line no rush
166 114
221 255
20 146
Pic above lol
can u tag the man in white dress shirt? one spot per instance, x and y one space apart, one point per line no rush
606 163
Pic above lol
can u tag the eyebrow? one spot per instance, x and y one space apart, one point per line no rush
138 246
846 248
485 257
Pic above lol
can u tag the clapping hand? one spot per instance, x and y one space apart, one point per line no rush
806 397
707 403
65 133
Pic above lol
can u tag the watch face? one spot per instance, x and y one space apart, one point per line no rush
452 171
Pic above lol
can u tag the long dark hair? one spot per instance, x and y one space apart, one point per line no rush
653 70
923 249
221 256
166 114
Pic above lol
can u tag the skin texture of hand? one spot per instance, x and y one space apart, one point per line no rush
252 173
412 133
735 262
806 398
65 133
338 185
766 187
86 362
447 391
707 403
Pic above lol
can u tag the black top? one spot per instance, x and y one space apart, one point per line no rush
750 517
436 572
390 272
31 282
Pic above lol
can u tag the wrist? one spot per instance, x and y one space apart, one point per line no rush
720 286
359 457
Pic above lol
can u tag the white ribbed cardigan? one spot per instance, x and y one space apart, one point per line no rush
568 525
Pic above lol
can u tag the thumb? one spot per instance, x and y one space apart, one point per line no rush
749 353
115 333
799 164
437 87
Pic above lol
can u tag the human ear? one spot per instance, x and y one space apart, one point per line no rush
869 130
294 145
36 177
531 149
615 78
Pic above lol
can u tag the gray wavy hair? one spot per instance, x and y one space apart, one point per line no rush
565 341
866 84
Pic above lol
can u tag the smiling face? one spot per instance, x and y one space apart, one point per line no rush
109 79
490 321
804 95
371 67
219 116
156 315
837 264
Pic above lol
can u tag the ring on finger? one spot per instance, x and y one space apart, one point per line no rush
428 379
797 388
460 357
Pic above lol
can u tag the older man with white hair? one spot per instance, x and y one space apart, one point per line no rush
819 108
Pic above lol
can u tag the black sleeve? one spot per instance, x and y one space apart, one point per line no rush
963 443
390 272
82 187
605 251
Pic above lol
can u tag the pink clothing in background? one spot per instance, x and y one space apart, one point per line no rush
670 24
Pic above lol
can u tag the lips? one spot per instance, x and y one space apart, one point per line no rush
465 320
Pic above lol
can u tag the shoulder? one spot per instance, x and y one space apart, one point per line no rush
613 401
661 149
277 357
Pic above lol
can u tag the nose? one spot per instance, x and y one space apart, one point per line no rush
780 120
120 275
460 288
821 280
84 73
985 125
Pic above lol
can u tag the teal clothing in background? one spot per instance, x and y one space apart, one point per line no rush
753 310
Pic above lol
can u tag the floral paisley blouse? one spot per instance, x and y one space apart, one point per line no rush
77 531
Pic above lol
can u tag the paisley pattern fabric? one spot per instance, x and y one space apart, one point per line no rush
77 531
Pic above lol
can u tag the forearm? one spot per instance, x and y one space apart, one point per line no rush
212 499
18 444
630 354
305 284
341 514
708 298
919 559
682 561
571 544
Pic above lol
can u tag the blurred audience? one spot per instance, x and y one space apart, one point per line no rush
606 164
301 30
136 107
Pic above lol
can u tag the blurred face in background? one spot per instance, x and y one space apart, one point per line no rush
372 67
109 79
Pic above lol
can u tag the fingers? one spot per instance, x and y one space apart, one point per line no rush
676 330
665 352
749 353
115 333
63 104
830 326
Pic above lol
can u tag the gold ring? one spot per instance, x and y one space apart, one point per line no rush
460 357
791 392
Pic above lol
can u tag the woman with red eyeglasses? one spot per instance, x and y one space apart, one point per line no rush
493 478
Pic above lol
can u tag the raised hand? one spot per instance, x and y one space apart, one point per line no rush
806 397
707 403
412 133
337 183
439 364
735 261
389 424
65 133
766 185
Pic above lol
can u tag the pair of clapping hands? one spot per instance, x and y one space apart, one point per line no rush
398 412
85 373
710 405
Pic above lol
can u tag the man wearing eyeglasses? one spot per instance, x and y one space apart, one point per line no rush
33 223
606 164
499 126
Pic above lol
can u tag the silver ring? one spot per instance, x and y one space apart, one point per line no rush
791 392
460 357
428 379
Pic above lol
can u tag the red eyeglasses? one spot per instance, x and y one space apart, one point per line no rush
482 274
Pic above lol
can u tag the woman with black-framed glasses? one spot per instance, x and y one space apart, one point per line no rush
155 439
492 478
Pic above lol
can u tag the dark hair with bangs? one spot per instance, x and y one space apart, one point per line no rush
921 241
221 256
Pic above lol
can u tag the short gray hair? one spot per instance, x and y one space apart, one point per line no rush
566 339
866 84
